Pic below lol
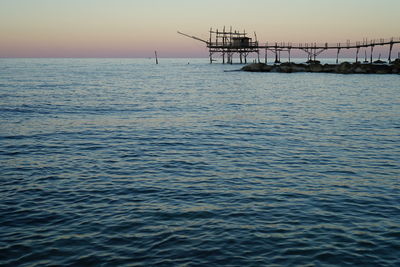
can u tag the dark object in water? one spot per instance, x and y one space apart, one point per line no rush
379 61
343 68
313 62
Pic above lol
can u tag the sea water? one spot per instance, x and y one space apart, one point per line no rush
122 162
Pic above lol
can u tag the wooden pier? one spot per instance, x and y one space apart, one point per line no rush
227 43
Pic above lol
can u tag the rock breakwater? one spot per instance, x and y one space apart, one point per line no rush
343 68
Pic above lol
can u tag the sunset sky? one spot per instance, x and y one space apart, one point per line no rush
135 28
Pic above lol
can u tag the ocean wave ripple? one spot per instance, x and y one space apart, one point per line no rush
248 171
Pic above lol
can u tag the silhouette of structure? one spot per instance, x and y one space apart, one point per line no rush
228 43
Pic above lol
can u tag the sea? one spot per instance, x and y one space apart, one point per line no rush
122 162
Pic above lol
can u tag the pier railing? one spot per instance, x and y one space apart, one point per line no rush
348 44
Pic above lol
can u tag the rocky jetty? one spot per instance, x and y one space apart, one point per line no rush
343 68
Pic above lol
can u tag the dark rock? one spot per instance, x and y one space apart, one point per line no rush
316 67
379 62
367 68
257 67
344 68
381 69
360 70
286 67
275 68
313 62
329 68
396 62
300 68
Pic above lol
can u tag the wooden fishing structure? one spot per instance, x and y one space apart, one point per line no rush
227 43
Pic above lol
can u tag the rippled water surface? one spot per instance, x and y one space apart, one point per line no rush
121 162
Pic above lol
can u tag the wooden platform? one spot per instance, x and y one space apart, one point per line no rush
227 43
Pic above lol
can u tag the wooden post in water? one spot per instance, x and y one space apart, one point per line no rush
372 51
337 56
210 42
155 53
223 44
390 51
315 52
358 49
266 55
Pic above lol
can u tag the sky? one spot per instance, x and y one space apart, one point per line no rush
135 28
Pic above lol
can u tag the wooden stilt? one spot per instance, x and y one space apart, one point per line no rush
372 51
337 56
315 53
276 53
155 53
266 55
390 51
358 49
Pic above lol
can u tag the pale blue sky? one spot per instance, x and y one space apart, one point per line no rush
133 27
